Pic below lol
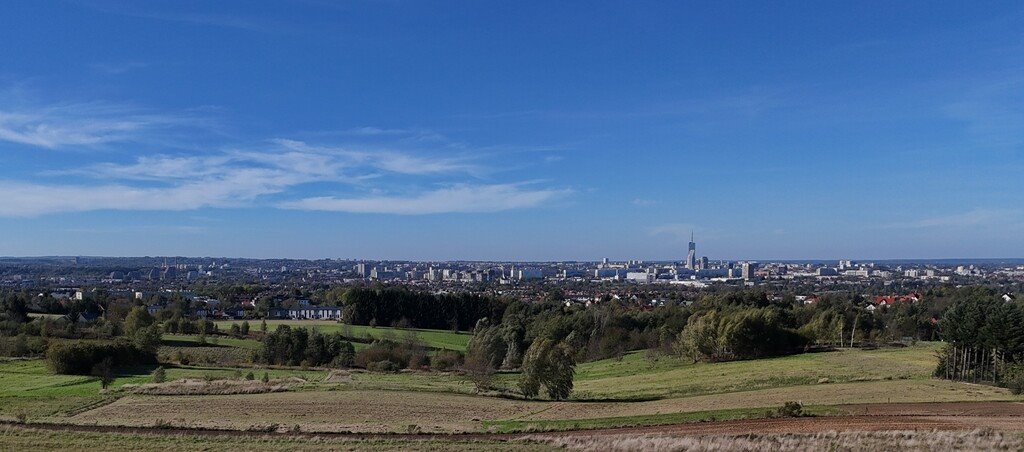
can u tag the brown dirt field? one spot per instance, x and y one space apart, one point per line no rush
400 411
900 391
857 423
902 440
1000 416
939 409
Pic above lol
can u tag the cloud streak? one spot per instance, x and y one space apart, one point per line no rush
241 178
456 199
81 125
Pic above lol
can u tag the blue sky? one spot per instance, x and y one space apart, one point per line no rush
512 130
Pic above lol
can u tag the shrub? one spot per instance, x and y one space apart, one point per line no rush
104 370
383 366
266 378
294 346
22 346
346 356
159 375
1013 378
790 409
446 360
479 368
79 358
249 376
383 350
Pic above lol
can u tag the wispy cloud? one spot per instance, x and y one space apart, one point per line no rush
237 178
411 134
976 217
282 172
82 124
456 199
398 162
643 202
117 68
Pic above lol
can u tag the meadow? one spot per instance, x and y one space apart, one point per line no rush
637 389
438 339
28 388
639 377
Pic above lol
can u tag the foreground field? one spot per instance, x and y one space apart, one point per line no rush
636 390
433 338
854 433
868 441
398 411
28 439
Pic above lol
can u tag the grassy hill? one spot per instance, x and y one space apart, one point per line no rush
637 377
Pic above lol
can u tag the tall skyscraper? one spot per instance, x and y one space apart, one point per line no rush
748 270
691 257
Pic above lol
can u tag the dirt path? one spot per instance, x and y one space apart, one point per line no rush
1003 416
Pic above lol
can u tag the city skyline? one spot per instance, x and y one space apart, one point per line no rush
539 132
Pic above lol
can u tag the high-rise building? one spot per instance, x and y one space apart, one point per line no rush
691 257
748 270
362 271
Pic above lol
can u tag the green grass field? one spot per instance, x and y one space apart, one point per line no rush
637 377
28 387
634 390
433 338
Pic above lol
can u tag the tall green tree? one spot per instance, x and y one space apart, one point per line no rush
550 365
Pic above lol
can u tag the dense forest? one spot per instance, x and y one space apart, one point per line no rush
984 337
398 306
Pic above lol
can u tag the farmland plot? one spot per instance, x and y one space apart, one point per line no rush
361 411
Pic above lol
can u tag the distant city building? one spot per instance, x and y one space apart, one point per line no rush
169 273
749 268
362 270
691 256
827 271
529 273
640 277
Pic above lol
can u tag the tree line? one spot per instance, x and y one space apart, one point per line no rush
416 309
984 337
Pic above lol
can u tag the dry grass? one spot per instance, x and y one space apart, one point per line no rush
193 386
833 441
825 394
395 411
343 410
28 439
